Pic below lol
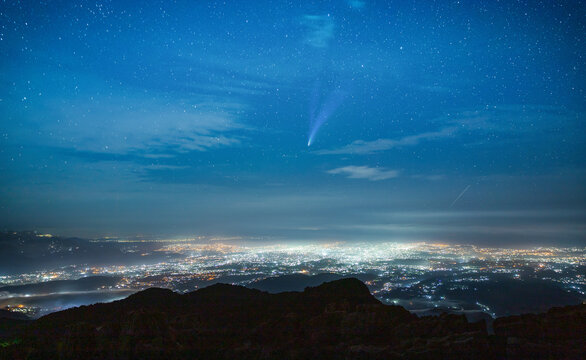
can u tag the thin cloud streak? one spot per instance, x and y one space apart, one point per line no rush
365 172
511 229
362 147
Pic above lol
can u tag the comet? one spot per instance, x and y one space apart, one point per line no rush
318 117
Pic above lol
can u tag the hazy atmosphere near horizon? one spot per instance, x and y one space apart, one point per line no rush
282 121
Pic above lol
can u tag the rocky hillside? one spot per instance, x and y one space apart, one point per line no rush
336 320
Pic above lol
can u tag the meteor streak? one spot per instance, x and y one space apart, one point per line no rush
461 194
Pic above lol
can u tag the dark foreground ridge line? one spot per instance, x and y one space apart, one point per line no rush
336 320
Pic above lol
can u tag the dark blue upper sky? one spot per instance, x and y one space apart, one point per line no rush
427 120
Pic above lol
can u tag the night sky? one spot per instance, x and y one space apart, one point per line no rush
458 121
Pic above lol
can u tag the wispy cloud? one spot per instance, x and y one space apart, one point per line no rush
370 147
356 4
158 167
365 172
511 118
208 134
151 129
436 177
320 30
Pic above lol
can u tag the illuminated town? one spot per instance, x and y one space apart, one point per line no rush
419 276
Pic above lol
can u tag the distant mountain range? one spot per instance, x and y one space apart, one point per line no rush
28 251
336 320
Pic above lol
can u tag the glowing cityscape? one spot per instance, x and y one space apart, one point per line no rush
416 275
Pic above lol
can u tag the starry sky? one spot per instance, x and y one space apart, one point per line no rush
456 121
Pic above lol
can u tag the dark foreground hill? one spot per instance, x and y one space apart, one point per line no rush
336 320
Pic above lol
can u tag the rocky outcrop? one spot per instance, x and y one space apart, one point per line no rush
336 320
559 333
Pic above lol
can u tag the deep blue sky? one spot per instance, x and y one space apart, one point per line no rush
432 120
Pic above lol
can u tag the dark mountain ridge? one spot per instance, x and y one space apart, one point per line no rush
338 319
